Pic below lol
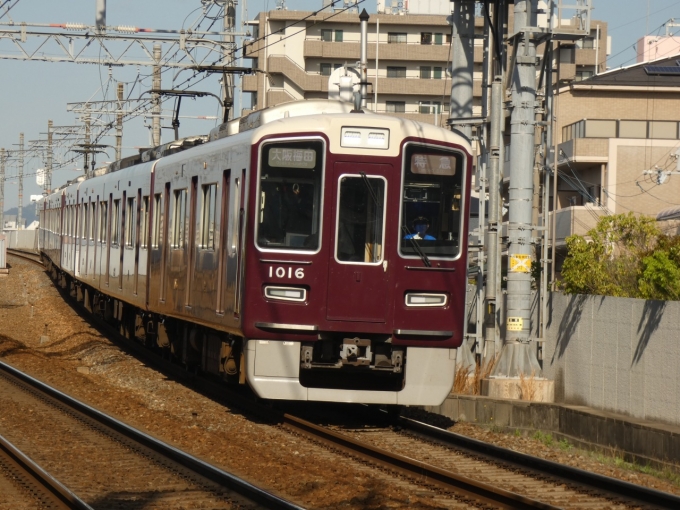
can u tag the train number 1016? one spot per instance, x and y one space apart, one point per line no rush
282 272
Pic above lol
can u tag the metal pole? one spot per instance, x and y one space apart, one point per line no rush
462 65
119 122
363 17
50 155
228 59
100 16
21 181
3 160
156 98
377 47
86 152
549 155
519 355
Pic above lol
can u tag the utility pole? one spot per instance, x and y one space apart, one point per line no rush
462 66
119 123
363 57
156 97
3 160
21 180
48 170
228 59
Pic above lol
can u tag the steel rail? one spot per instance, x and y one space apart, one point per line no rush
42 477
595 481
31 257
413 468
202 468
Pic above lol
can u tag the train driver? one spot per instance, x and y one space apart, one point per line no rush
420 225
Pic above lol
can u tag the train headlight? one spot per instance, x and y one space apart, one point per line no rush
286 293
426 299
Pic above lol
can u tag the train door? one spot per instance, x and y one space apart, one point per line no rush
358 280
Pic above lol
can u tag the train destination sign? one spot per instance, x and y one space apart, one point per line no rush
433 164
292 158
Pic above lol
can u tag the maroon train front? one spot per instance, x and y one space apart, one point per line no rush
312 252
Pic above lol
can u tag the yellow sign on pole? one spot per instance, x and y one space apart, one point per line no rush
514 324
520 263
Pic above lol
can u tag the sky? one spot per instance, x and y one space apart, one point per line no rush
33 92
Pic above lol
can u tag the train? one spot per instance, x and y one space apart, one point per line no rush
312 250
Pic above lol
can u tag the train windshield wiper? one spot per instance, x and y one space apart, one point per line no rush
416 247
414 243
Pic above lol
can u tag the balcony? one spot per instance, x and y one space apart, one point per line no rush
351 51
585 150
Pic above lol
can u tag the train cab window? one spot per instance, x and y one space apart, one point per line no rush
290 192
130 222
208 216
179 219
431 202
361 219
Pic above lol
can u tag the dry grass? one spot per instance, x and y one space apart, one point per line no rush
468 381
527 386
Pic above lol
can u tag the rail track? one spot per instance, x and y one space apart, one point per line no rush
31 257
106 462
24 484
435 459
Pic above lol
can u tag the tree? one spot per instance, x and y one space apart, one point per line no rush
624 255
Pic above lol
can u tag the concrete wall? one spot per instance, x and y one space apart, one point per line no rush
22 239
615 354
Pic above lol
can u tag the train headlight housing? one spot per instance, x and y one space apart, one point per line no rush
426 299
297 294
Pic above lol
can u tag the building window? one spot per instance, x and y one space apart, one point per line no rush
426 38
438 38
395 106
396 38
327 35
448 38
396 72
583 75
429 107
437 73
326 69
425 72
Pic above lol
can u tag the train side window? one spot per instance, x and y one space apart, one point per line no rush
144 217
82 228
361 219
93 217
208 216
179 219
104 217
289 195
157 220
130 222
431 202
115 223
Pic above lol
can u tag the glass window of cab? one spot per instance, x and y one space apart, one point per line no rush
289 195
431 205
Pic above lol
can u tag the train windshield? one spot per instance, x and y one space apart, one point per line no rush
431 203
290 193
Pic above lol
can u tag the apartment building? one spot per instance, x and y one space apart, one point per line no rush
618 141
408 60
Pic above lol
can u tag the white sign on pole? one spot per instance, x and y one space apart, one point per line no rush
40 176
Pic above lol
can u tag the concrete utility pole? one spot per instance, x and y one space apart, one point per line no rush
518 356
156 97
3 160
21 180
48 170
86 144
100 16
462 65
